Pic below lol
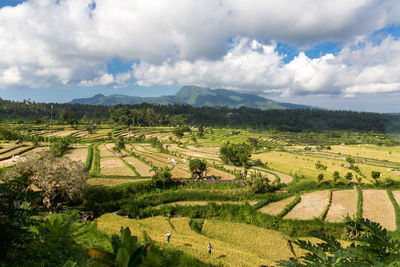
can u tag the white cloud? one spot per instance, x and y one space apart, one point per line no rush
63 43
251 66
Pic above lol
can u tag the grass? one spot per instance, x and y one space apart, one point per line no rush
228 249
325 212
396 208
96 161
89 158
359 203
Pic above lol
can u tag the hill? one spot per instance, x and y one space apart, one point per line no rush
195 96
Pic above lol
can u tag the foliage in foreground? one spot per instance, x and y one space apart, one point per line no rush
371 246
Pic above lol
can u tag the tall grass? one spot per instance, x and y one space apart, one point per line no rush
89 158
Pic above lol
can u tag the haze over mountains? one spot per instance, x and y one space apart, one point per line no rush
195 96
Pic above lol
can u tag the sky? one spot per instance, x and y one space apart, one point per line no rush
335 54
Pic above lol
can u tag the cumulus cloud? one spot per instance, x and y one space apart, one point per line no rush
69 42
252 66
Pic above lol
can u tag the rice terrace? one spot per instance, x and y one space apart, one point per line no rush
167 133
251 206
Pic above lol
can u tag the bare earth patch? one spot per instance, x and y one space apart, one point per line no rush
218 173
343 202
104 152
275 208
285 178
378 208
312 205
78 154
114 166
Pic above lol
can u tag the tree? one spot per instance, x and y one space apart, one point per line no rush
375 175
236 154
259 184
336 176
59 146
198 168
56 179
349 176
350 160
253 142
119 146
162 177
371 245
320 177
178 132
200 132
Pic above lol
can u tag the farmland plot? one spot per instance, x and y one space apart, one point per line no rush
111 182
275 208
77 154
344 202
112 165
378 208
311 205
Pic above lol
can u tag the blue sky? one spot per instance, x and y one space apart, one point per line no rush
334 54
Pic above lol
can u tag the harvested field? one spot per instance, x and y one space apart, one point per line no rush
179 173
13 152
285 178
111 182
104 152
311 205
275 208
142 168
10 162
396 195
78 154
378 208
5 146
114 166
217 173
343 202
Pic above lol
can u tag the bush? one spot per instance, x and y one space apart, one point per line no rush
59 146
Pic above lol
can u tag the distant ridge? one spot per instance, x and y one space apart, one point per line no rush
195 96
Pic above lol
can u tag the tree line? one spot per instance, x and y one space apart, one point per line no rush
144 114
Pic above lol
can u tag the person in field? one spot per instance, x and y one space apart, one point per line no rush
209 247
168 235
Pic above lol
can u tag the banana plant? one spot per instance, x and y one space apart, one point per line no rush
127 251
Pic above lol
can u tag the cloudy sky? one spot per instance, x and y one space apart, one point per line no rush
338 54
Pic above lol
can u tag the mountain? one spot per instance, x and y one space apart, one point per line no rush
195 96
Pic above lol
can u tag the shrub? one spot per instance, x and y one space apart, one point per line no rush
59 146
57 179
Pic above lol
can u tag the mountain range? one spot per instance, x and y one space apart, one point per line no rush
195 96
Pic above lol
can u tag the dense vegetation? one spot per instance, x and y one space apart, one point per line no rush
165 115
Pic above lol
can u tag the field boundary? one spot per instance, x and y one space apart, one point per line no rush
289 206
325 212
396 208
359 203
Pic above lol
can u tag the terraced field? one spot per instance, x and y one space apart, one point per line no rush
376 206
233 243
